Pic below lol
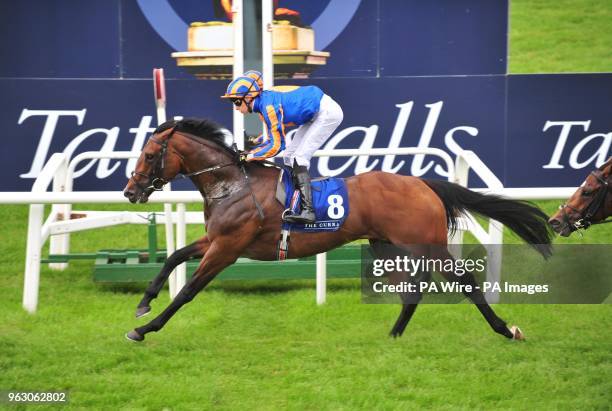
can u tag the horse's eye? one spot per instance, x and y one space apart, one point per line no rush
587 193
149 157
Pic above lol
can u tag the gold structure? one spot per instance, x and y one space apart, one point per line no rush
210 50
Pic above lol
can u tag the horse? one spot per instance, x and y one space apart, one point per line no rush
590 204
243 218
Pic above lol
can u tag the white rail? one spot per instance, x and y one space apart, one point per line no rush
60 172
177 197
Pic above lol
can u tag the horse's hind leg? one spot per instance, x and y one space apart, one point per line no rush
477 297
181 255
408 309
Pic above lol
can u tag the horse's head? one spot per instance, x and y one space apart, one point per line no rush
158 163
587 205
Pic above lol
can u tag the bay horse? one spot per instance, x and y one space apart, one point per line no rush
243 217
590 204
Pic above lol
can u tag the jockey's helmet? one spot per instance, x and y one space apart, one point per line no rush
255 75
242 87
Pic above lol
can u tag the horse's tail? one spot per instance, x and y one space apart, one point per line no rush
525 219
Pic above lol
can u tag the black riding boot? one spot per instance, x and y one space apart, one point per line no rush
302 183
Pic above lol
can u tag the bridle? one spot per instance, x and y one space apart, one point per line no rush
586 215
157 182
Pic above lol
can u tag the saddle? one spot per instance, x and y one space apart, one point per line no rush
330 201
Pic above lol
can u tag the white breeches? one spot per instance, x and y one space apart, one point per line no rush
309 137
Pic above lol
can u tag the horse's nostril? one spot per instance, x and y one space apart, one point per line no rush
128 194
553 222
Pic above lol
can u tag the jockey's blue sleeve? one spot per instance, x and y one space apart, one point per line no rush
279 107
274 136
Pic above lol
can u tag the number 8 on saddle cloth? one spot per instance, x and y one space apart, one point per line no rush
329 198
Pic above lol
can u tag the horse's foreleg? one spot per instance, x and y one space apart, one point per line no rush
214 261
179 256
404 319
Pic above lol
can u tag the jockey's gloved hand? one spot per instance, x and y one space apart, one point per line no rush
252 141
242 155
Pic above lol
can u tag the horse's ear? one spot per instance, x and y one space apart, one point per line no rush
606 164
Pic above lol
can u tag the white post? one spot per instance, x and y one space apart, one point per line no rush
321 277
159 90
32 265
267 56
181 237
467 159
60 244
462 169
238 69
57 163
494 258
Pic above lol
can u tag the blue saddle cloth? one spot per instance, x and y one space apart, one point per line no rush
329 198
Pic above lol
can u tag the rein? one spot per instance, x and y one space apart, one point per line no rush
248 182
204 170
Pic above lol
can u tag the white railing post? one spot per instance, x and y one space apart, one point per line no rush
238 68
494 258
31 279
267 54
170 248
462 169
60 244
321 277
181 237
495 235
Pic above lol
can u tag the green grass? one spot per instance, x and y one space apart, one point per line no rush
556 36
264 345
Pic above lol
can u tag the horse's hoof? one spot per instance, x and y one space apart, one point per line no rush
134 336
517 334
142 311
395 334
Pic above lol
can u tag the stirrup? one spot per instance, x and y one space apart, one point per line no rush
299 218
286 213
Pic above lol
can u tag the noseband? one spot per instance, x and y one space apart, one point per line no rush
156 182
586 215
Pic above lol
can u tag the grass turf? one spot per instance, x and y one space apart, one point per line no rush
266 345
263 345
555 36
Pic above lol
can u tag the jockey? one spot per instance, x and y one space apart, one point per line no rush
316 114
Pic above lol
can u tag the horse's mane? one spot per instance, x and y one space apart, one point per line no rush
199 127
